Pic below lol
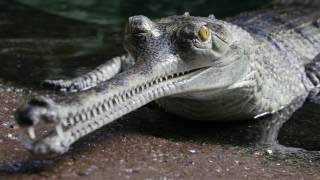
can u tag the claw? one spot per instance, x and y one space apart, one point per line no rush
59 131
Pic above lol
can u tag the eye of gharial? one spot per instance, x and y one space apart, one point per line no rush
204 33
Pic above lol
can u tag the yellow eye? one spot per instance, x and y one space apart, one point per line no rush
204 33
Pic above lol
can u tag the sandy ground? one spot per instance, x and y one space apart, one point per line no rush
151 144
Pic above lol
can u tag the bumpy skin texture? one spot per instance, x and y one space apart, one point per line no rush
260 65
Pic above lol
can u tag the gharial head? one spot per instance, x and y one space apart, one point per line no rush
175 56
202 46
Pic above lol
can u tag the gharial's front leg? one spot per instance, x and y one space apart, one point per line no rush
271 125
102 73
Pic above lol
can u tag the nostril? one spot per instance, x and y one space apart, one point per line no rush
37 109
23 118
25 122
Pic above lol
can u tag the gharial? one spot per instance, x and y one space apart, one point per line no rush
257 65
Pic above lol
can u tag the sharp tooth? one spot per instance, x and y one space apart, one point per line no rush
32 132
59 131
117 100
99 109
83 117
77 118
104 107
109 104
123 97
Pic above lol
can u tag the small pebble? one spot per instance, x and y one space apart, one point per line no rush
257 153
219 170
11 136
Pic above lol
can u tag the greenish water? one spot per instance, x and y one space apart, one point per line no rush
65 38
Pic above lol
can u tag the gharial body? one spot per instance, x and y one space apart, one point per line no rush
259 65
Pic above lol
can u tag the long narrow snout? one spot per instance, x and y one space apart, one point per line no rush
51 127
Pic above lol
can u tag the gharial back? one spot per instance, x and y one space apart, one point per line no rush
297 28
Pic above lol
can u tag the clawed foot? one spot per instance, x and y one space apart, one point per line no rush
281 151
41 131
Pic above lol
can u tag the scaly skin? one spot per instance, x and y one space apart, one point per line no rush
102 73
260 65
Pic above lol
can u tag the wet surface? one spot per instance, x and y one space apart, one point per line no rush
146 144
